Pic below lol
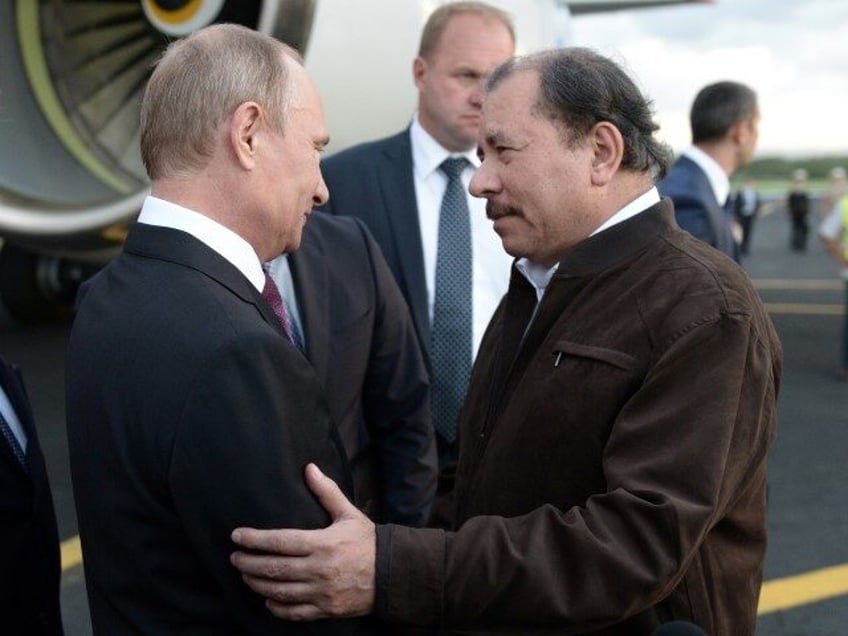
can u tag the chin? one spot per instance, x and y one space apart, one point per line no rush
294 243
512 249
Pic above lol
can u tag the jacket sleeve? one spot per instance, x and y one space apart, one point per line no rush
252 420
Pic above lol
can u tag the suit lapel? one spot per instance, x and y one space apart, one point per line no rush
180 247
313 301
398 186
715 208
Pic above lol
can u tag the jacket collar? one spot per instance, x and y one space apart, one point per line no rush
618 243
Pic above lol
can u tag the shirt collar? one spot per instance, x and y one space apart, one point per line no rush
223 240
428 154
637 205
715 174
537 275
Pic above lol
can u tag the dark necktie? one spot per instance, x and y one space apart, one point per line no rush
272 294
451 333
6 431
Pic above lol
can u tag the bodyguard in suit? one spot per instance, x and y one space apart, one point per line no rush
29 541
725 126
359 337
189 407
451 270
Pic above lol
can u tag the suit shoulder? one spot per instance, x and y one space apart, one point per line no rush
354 155
335 231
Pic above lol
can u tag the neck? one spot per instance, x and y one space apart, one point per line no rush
723 154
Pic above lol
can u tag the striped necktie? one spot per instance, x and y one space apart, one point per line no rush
271 294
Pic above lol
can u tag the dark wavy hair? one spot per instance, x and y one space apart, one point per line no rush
579 88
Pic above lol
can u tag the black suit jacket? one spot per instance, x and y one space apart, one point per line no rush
362 345
29 542
189 413
374 182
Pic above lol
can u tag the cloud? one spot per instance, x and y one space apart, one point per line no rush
793 53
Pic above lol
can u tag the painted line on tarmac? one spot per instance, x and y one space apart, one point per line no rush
776 595
71 553
804 308
810 284
803 589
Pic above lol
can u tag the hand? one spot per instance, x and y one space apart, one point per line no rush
312 574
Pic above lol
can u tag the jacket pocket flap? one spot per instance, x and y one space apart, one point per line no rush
564 349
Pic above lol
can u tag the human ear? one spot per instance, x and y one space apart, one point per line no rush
607 152
419 69
243 132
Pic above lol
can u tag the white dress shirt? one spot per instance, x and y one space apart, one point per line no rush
223 240
490 263
715 173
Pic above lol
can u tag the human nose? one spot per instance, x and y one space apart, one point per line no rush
477 93
322 194
483 183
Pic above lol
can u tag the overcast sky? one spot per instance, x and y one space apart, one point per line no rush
794 53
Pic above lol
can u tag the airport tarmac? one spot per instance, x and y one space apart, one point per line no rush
806 572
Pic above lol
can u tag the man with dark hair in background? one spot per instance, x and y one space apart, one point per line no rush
725 127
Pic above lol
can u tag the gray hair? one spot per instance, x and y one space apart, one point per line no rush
199 82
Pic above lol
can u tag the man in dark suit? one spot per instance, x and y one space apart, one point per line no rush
189 408
359 337
725 126
397 185
29 542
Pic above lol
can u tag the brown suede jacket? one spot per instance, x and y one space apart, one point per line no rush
612 471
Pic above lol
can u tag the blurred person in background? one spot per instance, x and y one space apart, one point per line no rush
834 234
798 207
746 206
724 119
835 191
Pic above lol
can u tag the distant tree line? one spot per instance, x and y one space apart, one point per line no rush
779 168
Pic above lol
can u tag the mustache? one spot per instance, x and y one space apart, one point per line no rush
497 210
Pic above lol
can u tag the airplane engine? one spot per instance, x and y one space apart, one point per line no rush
72 74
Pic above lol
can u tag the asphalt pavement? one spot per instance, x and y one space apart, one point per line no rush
808 504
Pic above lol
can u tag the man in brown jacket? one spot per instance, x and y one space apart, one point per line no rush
612 471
